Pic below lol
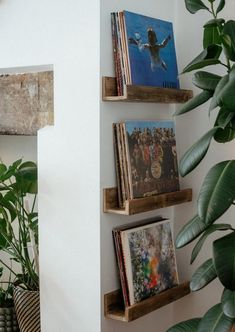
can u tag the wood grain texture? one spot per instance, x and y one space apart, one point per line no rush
140 205
26 103
137 93
114 308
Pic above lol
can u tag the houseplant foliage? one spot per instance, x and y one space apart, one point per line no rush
19 222
217 193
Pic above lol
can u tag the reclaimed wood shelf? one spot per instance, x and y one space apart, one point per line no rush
140 205
114 306
137 93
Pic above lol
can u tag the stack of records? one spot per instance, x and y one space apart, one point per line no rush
144 51
146 159
146 259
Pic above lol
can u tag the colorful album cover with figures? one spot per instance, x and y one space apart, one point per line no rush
150 262
152 157
151 48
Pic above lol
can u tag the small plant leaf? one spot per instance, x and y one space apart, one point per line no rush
207 57
194 5
224 258
190 232
221 6
217 192
215 321
196 153
203 275
206 81
189 325
229 30
214 102
211 36
228 303
198 100
211 229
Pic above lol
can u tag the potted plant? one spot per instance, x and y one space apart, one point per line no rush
8 321
217 193
19 238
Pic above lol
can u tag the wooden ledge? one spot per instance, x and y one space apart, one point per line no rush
114 307
137 93
140 205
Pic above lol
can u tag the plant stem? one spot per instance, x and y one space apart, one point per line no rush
213 10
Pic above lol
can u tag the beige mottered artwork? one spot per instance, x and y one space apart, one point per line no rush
26 103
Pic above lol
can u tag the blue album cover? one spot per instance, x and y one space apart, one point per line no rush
151 49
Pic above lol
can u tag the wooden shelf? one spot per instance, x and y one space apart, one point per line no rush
139 205
137 93
114 307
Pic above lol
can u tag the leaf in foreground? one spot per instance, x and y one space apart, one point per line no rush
203 275
224 260
217 192
228 303
189 325
215 321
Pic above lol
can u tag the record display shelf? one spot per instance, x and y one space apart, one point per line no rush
140 205
114 306
137 93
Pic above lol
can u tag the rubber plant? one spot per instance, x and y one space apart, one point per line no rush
19 222
217 193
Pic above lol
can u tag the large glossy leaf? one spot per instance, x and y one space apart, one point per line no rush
226 97
227 46
198 100
206 81
190 231
228 303
224 118
194 5
229 30
224 260
211 36
189 325
203 275
221 6
217 192
214 22
211 229
225 135
196 153
222 83
207 57
215 321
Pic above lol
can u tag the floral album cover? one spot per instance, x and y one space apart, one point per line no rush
149 258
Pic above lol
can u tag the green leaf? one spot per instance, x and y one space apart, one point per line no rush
194 5
215 321
214 22
217 192
227 46
203 275
195 102
228 303
229 29
3 234
3 169
225 135
190 231
224 260
196 153
211 36
224 118
215 102
226 96
221 6
207 57
206 81
211 229
189 325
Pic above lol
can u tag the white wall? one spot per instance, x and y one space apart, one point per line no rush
190 127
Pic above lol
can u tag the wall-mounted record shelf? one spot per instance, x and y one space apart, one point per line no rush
114 307
137 93
139 205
